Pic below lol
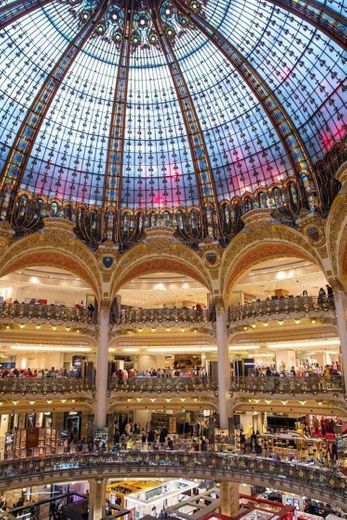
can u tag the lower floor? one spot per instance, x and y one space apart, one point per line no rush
287 436
180 498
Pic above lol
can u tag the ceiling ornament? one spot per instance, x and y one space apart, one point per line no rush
144 34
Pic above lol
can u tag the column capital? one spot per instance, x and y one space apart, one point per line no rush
337 285
105 304
218 302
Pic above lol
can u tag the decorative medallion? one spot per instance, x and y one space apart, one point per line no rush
313 227
212 258
313 233
107 261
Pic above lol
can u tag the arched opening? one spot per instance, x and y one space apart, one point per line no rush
47 315
165 318
257 253
282 328
50 258
160 264
163 289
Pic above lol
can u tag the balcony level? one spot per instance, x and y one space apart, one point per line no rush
56 317
312 385
164 385
318 482
128 318
283 310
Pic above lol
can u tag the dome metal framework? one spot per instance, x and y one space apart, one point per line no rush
117 113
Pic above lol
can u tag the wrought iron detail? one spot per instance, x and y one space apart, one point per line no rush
114 163
126 314
282 123
164 384
275 308
319 15
45 312
94 226
13 11
325 483
18 158
202 163
312 385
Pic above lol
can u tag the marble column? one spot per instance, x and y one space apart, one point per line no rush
229 498
102 369
340 299
97 498
223 366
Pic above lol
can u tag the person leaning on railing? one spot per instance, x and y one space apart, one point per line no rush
27 373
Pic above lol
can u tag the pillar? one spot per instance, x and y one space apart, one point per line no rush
223 366
229 498
97 498
340 299
4 422
102 369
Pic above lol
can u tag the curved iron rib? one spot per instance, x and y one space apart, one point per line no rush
114 164
202 164
318 14
12 12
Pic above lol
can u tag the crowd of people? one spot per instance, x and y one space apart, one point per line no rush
304 370
39 373
123 375
90 308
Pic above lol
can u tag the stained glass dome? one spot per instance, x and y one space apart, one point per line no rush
165 104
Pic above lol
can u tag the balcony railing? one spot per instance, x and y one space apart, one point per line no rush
35 311
126 314
319 482
46 385
164 384
287 385
274 385
306 305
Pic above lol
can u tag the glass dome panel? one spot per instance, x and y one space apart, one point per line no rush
67 158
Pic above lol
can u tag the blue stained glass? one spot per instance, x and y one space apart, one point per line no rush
305 70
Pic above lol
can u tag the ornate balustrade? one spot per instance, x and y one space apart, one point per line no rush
46 385
26 213
275 385
129 315
60 313
287 385
317 482
164 384
274 308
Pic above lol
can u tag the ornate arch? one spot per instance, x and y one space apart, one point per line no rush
336 232
261 241
54 247
160 254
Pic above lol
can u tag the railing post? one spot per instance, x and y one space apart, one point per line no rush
223 366
102 368
97 498
340 299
